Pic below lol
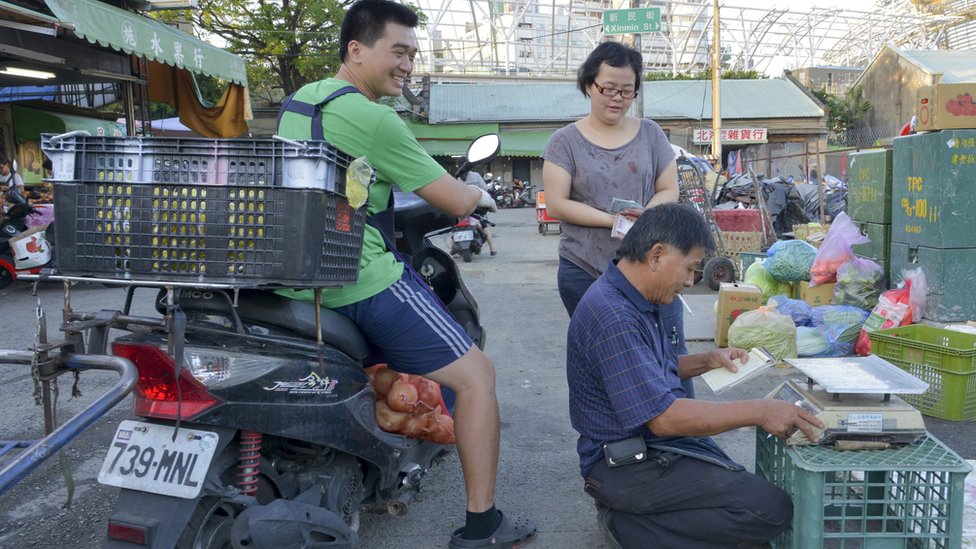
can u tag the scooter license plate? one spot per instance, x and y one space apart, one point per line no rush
463 236
144 457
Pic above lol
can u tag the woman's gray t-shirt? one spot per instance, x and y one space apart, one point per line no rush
598 176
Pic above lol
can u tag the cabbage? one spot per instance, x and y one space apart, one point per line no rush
840 325
764 327
790 260
811 342
757 275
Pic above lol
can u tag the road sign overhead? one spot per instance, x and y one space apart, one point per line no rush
633 21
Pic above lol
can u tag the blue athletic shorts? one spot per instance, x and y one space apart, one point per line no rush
412 329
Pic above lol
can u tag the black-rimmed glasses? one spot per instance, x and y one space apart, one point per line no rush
613 92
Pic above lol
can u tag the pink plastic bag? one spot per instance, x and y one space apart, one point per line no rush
897 307
835 250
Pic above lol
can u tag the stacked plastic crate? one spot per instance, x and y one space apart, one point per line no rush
910 496
239 212
869 203
934 218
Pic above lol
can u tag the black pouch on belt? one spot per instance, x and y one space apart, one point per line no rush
625 452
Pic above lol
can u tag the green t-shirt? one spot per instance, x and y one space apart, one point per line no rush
360 127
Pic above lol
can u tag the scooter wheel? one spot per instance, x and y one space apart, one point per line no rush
6 278
542 228
466 255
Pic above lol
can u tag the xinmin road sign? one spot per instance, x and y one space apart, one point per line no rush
633 21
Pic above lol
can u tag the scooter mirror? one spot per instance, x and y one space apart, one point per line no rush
483 148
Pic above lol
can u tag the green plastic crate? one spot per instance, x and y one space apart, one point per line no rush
869 186
943 358
908 497
748 258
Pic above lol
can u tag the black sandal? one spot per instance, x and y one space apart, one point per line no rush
510 534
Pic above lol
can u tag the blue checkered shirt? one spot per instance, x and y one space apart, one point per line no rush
622 370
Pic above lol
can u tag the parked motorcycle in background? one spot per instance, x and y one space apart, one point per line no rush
502 195
526 197
22 250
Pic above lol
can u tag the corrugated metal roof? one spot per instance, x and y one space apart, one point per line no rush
562 101
954 66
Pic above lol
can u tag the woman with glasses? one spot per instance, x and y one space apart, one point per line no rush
606 155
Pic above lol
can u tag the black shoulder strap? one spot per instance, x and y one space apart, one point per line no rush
312 110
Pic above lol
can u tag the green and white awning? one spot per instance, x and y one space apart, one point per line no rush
131 33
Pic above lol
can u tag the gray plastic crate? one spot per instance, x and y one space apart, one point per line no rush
196 161
241 212
230 234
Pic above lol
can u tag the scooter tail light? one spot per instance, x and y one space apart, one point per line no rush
159 393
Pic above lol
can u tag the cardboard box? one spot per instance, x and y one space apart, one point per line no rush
821 294
733 300
946 107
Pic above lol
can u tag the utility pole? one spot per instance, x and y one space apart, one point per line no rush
716 90
640 76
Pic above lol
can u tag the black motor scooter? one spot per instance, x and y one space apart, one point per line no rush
252 433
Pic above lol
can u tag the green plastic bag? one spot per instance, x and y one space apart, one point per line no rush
757 275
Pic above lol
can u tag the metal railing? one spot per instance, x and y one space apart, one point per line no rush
34 452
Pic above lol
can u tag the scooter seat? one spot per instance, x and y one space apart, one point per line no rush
274 310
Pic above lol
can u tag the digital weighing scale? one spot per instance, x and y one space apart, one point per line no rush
853 397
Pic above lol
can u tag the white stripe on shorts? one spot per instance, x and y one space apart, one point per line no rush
432 315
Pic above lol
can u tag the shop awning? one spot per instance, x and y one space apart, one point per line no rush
524 143
30 123
131 33
448 139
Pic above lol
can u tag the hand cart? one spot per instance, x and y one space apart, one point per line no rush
542 216
716 267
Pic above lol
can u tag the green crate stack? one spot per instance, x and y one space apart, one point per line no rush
945 359
901 497
950 275
933 215
869 175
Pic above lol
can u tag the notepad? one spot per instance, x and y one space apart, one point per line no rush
720 379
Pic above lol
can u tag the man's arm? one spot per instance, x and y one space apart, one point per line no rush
690 417
557 183
451 196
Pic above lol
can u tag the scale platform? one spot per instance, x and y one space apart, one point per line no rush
854 398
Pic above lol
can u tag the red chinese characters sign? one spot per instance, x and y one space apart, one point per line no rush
732 136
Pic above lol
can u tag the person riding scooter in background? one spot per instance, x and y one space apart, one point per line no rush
475 179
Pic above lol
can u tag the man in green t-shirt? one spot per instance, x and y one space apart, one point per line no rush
378 45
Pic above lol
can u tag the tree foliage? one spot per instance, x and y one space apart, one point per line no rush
845 111
287 43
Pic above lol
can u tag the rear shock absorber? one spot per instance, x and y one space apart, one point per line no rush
247 477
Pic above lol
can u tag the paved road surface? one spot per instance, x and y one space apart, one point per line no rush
526 327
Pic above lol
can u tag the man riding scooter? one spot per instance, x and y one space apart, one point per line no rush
397 313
